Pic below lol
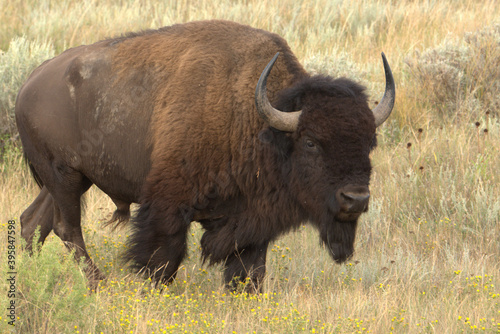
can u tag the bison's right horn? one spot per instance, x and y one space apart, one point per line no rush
384 108
283 121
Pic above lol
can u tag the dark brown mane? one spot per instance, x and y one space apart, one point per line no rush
290 99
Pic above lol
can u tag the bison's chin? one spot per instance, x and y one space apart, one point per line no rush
338 236
347 217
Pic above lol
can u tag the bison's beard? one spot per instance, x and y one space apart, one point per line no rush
337 230
339 238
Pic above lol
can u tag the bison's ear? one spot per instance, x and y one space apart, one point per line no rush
279 142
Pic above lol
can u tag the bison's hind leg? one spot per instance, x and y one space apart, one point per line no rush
39 213
66 186
158 243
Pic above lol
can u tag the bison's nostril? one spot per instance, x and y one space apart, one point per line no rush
355 197
354 201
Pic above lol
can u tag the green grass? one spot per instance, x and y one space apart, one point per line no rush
427 252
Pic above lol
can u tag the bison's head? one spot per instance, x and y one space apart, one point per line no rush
329 143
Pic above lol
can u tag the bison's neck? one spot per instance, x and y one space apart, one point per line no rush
261 173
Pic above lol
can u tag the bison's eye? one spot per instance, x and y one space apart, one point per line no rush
311 145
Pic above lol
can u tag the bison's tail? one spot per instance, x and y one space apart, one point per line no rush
120 218
35 175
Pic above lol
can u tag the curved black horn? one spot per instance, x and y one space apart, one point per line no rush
284 121
384 108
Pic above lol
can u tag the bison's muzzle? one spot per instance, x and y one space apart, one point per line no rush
352 201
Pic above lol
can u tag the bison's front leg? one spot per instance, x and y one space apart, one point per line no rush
158 243
248 262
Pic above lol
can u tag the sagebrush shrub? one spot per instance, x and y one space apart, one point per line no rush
52 290
338 64
460 79
22 57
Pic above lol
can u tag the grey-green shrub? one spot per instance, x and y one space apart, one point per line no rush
460 79
52 290
22 57
338 64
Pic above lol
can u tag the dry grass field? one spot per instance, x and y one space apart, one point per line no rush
427 253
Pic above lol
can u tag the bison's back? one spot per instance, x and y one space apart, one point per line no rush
206 73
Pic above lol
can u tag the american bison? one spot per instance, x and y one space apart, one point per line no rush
189 122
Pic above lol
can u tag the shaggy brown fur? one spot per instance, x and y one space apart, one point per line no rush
166 118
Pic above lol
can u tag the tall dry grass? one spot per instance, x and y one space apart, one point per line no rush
427 251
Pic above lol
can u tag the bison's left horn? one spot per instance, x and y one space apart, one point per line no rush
284 121
384 108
